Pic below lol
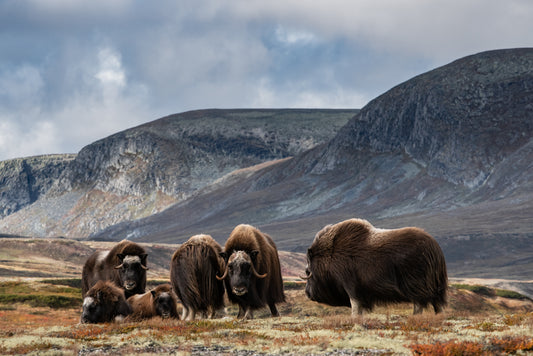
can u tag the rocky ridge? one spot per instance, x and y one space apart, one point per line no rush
143 170
449 150
24 180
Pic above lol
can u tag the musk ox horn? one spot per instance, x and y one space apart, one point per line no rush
144 267
223 276
305 278
119 266
257 274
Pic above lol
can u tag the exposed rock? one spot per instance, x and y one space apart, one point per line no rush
143 170
24 180
449 151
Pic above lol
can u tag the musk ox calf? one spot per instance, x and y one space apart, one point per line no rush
159 301
124 264
193 271
355 264
253 273
104 302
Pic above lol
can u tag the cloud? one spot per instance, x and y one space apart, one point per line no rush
78 71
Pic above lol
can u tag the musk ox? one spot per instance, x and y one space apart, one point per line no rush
193 270
104 302
159 301
124 264
355 264
253 274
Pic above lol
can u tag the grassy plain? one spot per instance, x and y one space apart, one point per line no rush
478 321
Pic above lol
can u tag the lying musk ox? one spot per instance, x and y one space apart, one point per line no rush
124 264
355 264
253 273
104 302
193 271
159 301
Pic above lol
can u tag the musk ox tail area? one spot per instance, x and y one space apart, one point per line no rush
193 272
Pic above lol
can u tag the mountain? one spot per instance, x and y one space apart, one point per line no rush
24 180
450 150
143 170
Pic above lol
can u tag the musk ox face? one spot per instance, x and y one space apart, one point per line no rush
240 271
103 303
164 304
95 310
322 286
132 270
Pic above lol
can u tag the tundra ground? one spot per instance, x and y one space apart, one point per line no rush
478 321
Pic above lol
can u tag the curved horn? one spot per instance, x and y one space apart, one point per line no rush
305 278
257 274
119 266
223 276
144 267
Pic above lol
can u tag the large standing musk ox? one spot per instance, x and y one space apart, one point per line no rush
253 273
104 302
355 264
124 264
193 270
159 301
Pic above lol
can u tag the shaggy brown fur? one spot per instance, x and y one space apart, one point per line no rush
104 302
253 272
193 271
354 264
159 301
102 265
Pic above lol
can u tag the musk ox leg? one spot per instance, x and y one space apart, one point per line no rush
418 309
211 313
273 309
356 307
245 312
241 312
437 307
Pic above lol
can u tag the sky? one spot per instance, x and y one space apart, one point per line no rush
75 71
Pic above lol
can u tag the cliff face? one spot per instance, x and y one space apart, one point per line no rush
143 170
458 121
24 180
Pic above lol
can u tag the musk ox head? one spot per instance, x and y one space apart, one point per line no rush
103 302
164 301
322 284
240 271
132 270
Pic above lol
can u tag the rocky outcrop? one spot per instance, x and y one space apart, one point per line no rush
450 151
24 180
143 170
458 121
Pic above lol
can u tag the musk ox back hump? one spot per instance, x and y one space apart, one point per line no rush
368 266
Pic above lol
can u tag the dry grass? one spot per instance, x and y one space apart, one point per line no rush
305 328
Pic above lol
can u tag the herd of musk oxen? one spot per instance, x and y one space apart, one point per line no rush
351 264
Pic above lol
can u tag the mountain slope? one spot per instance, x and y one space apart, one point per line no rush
449 150
143 170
